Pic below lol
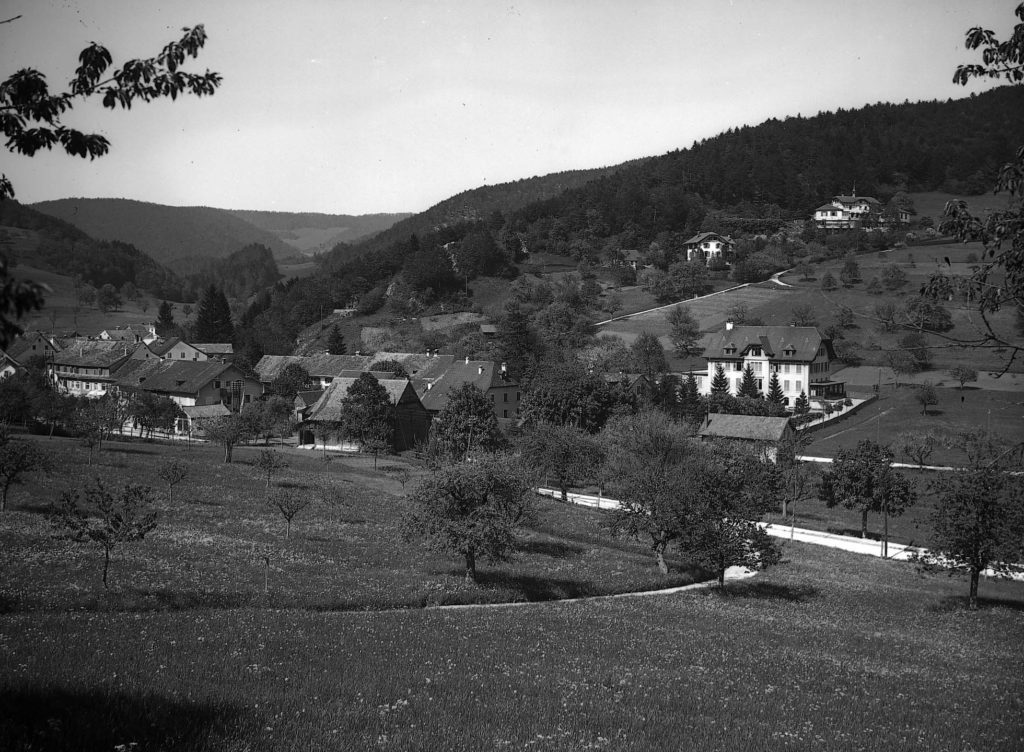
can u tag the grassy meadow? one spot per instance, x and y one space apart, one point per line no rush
826 651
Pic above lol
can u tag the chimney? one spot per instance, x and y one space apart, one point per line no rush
467 360
728 326
479 370
504 370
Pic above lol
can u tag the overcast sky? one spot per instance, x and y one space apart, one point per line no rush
356 106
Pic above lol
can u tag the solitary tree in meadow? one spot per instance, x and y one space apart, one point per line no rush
563 454
917 446
270 463
107 518
926 395
963 374
289 502
472 509
172 472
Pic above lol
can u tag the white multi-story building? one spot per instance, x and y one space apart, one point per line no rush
799 355
708 246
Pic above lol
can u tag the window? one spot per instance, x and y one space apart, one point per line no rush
181 355
517 396
504 413
492 398
799 385
785 385
737 366
756 366
760 385
504 398
755 351
785 368
248 399
216 384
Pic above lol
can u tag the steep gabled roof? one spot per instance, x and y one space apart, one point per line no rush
197 412
328 407
855 199
214 348
270 367
749 427
776 341
483 374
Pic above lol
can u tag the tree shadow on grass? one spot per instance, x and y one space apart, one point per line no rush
532 588
557 549
950 603
58 719
771 591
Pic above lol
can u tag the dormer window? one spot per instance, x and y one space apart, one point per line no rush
755 351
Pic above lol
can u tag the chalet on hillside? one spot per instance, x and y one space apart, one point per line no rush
708 247
855 212
799 355
133 334
411 419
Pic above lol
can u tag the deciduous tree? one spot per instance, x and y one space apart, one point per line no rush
684 332
172 472
562 453
17 458
963 374
467 423
105 517
472 509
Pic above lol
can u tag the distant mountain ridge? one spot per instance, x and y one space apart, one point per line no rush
312 232
185 238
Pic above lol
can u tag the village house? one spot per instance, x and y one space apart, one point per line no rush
709 246
189 383
32 344
490 378
855 212
132 334
411 419
86 368
8 365
799 355
175 348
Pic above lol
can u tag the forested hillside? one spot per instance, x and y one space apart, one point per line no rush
183 238
471 206
65 249
747 181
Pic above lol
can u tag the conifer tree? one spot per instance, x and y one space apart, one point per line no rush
748 386
828 282
802 405
719 383
213 319
775 394
165 325
336 342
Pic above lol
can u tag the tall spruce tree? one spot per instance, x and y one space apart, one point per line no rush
720 382
336 342
165 325
775 394
748 386
213 320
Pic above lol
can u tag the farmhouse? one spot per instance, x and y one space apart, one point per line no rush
86 368
411 419
191 383
708 246
174 348
490 378
799 355
131 334
8 365
32 344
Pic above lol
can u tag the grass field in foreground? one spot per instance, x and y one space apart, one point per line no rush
344 555
828 651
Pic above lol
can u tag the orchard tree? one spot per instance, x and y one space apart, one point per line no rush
172 472
562 453
105 517
467 424
926 395
977 524
917 446
292 380
684 332
963 374
227 431
17 458
289 502
472 509
803 315
270 463
648 356
32 119
864 480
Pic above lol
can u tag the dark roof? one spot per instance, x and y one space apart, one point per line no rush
421 365
750 427
174 376
94 353
21 347
829 207
702 236
305 399
774 340
328 407
196 412
214 348
855 199
483 374
161 346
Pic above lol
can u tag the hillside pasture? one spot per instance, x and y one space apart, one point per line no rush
829 650
344 553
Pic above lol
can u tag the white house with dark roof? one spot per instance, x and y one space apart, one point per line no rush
708 246
86 368
799 355
191 383
851 212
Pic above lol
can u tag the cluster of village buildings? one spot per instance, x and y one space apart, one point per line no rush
203 380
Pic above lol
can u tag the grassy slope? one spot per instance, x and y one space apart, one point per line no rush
345 555
827 651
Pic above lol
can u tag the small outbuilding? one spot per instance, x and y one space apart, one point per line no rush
759 430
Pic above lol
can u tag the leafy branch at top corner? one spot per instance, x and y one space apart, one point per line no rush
30 115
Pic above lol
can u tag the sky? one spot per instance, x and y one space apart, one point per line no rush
360 106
